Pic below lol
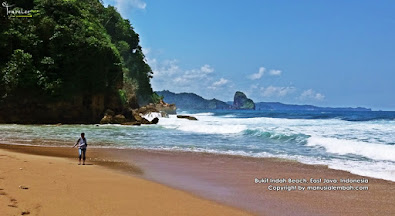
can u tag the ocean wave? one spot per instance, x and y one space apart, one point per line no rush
212 129
343 147
204 114
285 129
184 112
229 116
298 138
206 124
379 169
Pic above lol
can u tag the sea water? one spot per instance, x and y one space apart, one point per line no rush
360 142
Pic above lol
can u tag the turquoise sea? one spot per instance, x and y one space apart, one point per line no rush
360 142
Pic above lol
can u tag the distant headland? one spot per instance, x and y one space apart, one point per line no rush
194 101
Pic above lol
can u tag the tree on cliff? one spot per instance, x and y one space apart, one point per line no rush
136 70
69 49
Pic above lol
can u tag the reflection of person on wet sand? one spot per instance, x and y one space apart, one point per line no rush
82 145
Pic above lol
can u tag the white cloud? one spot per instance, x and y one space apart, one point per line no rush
202 80
276 91
200 73
207 69
221 82
146 50
168 75
261 72
311 94
165 68
139 4
258 75
275 72
125 6
254 86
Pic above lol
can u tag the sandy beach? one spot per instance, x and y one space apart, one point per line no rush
42 185
206 108
142 182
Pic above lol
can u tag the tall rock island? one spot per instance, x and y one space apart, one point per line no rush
241 101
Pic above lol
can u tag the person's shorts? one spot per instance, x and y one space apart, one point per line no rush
80 151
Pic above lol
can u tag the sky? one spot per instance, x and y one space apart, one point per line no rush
327 52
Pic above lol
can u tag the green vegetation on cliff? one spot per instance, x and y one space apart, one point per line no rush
69 62
192 101
241 101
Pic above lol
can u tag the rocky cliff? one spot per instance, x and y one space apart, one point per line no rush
69 62
241 101
192 101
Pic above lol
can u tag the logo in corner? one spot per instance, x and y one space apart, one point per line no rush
17 12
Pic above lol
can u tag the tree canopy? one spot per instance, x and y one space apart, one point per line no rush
68 48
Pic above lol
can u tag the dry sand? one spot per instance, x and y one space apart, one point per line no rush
58 186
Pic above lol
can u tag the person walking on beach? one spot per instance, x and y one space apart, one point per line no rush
82 145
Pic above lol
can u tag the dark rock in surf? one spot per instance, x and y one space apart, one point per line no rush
187 117
155 121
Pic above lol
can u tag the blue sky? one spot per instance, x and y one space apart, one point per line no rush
326 53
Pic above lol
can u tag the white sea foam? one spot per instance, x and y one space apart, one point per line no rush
204 114
342 147
370 132
205 124
183 112
381 169
152 115
213 129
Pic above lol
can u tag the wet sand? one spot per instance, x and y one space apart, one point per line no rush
230 180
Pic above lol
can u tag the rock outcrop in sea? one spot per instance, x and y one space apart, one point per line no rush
187 117
137 116
241 101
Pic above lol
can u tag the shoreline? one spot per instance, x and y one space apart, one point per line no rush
183 151
229 180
